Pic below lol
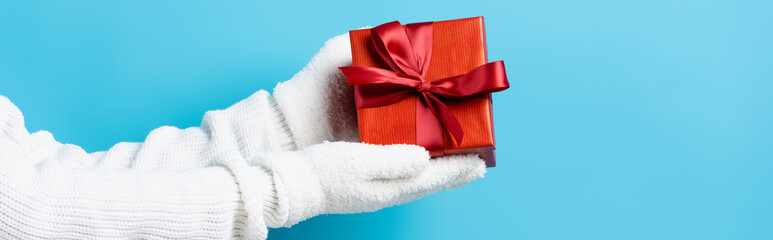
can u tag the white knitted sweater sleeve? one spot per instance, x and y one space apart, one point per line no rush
189 183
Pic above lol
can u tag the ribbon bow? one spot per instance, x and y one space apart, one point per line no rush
408 52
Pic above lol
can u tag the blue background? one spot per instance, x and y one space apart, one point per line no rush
625 120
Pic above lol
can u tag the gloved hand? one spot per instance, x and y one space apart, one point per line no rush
345 177
329 176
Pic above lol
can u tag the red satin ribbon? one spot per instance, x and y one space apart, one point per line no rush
408 52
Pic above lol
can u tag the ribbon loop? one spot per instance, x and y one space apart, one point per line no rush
408 51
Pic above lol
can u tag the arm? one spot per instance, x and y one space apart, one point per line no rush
191 183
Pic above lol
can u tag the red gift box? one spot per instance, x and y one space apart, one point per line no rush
428 84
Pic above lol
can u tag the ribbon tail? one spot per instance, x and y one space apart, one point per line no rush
447 118
429 129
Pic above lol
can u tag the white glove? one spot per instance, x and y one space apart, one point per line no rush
346 177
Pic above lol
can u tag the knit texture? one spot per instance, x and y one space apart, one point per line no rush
191 183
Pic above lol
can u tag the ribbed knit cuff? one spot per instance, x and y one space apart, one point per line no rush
305 196
283 137
275 205
273 195
258 193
